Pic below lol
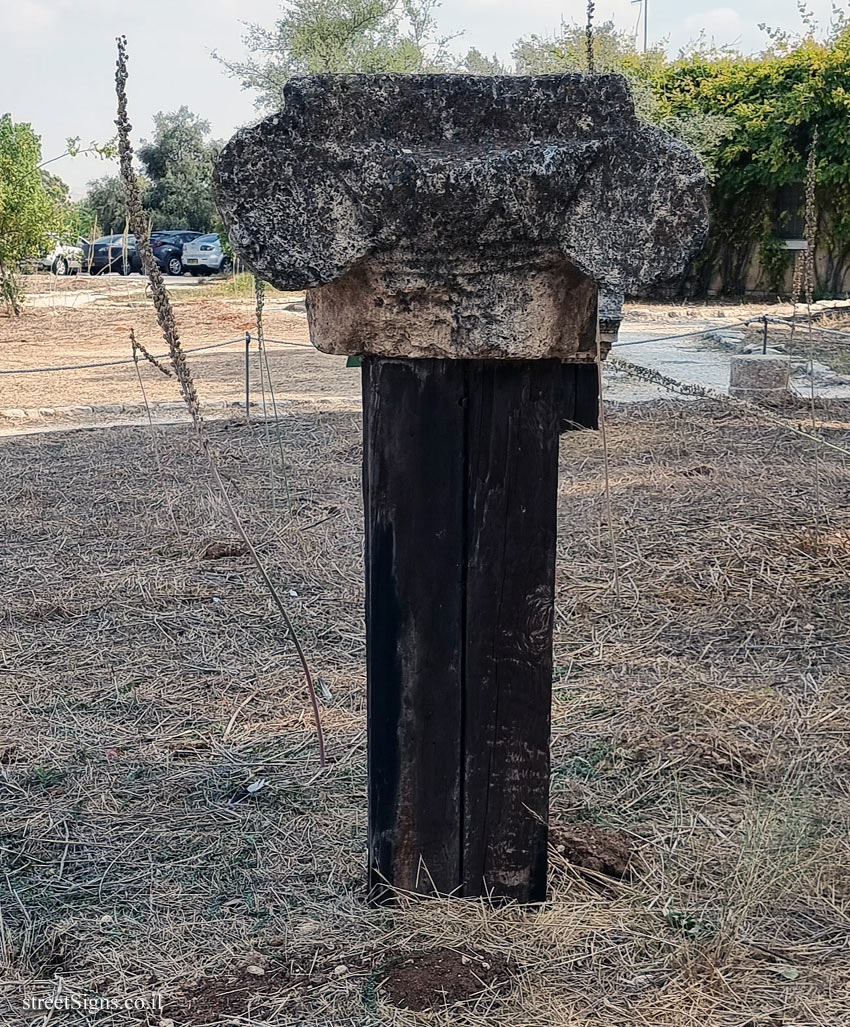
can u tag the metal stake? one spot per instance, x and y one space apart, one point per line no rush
247 377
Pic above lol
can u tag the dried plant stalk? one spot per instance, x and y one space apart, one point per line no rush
139 348
260 296
811 221
168 327
591 63
809 285
803 286
606 467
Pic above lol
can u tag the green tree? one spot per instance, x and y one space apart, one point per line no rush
179 161
613 50
56 188
475 63
177 184
314 36
28 213
776 103
106 206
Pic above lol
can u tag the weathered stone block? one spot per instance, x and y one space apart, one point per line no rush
764 379
461 216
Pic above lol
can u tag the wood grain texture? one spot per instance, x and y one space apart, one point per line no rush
579 397
460 492
413 495
511 526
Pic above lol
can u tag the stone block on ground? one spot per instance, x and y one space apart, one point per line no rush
760 378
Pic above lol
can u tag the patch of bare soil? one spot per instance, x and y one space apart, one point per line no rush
444 977
717 309
715 752
250 991
593 848
830 542
224 550
99 334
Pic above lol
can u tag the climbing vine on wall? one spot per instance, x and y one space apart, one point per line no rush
774 104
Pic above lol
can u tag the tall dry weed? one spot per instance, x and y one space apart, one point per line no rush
168 326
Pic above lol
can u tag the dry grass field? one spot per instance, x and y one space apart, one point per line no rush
166 827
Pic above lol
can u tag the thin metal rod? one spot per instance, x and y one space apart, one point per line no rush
284 472
247 377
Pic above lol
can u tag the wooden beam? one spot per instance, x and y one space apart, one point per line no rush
511 527
460 493
413 463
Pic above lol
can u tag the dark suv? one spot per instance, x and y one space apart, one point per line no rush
111 253
168 249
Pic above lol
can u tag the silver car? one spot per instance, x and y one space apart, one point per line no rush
206 256
62 259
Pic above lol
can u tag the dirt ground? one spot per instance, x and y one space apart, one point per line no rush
167 830
56 335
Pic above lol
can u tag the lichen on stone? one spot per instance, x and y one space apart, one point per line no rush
460 215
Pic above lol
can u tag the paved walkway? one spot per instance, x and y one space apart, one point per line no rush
692 360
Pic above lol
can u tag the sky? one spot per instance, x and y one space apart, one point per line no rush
58 55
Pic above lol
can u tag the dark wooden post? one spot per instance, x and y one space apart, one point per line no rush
471 238
460 464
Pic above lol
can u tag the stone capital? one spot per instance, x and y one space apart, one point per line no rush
461 216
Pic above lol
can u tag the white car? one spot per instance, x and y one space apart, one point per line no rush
62 259
205 256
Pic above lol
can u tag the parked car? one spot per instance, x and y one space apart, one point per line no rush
205 256
63 259
112 253
167 247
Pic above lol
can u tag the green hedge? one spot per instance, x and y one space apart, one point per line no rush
772 105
